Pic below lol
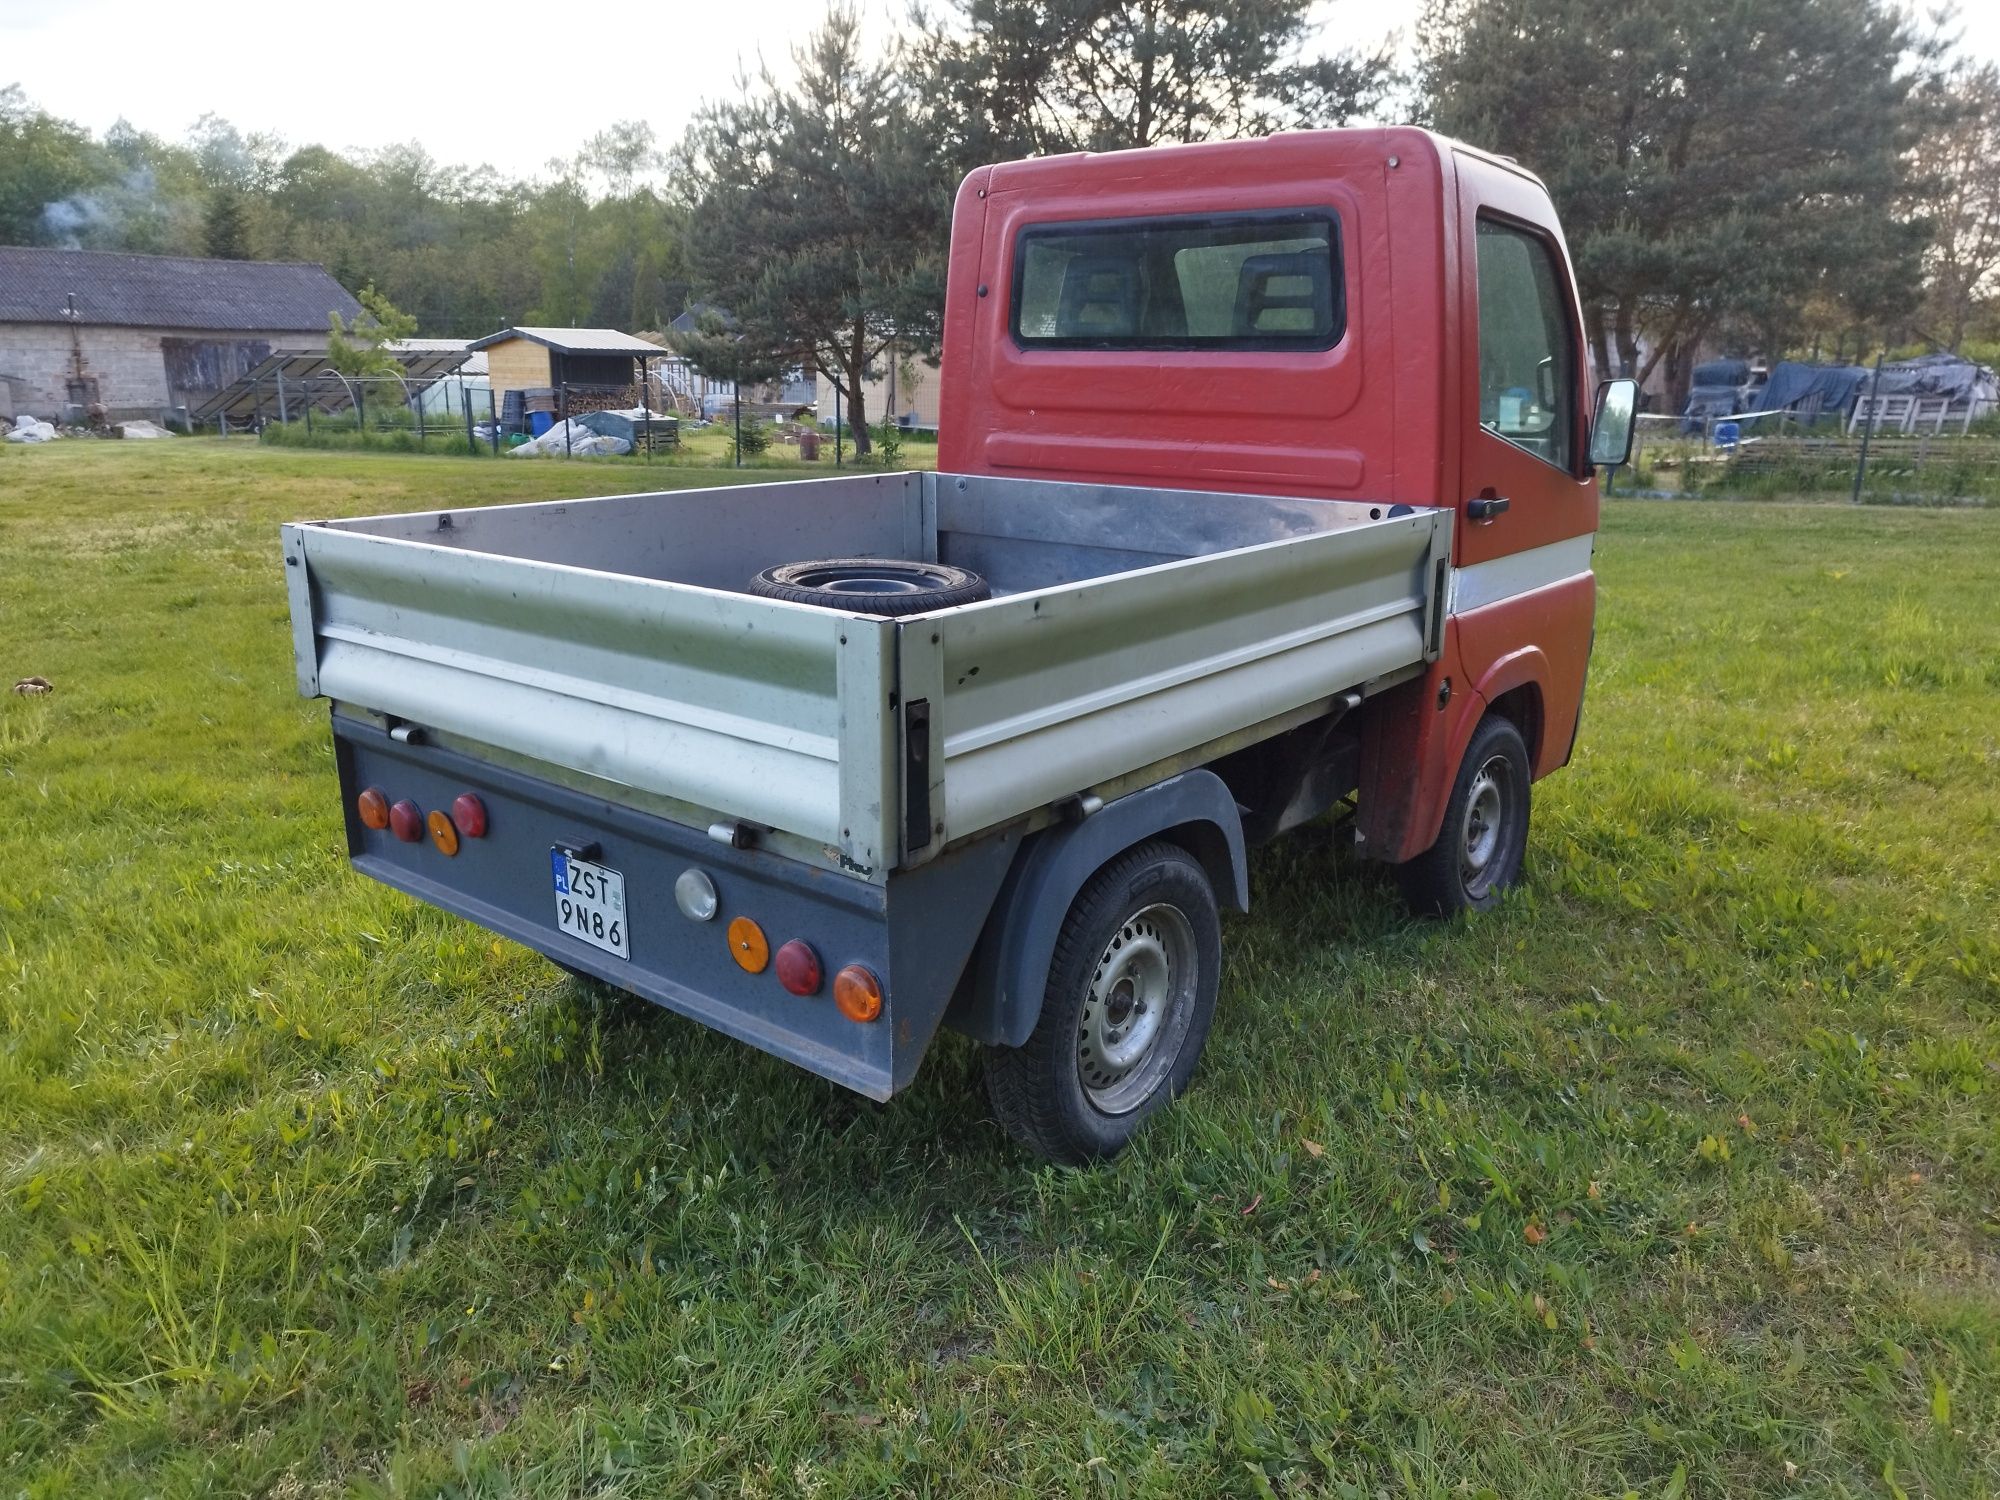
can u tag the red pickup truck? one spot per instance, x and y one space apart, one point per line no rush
1425 349
1266 490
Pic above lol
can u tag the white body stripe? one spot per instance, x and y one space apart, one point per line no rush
1518 573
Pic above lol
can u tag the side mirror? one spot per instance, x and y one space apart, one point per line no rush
1611 427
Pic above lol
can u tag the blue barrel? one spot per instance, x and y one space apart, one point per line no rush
540 422
1727 434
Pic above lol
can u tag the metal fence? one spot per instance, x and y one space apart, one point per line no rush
322 409
326 409
1859 456
449 415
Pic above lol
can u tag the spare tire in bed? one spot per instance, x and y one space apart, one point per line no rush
872 585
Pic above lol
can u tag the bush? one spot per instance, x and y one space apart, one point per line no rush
752 440
888 440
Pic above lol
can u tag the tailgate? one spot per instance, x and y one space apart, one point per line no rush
725 701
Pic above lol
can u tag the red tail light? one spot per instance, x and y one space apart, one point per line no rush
798 968
469 813
406 821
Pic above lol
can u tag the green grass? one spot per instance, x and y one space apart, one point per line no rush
1676 1176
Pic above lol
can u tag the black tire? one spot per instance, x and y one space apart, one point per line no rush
1144 928
1480 848
872 585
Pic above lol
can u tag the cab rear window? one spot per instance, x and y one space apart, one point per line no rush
1242 281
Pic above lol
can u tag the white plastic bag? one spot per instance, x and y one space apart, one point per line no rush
31 430
570 439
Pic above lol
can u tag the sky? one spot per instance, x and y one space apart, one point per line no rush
468 81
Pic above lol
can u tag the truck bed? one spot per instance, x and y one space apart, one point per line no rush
611 642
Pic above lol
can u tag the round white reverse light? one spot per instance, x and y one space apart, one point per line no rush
694 894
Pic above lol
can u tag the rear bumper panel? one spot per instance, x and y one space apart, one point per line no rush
502 882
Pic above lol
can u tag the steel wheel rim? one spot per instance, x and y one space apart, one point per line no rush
1483 834
1137 1009
858 578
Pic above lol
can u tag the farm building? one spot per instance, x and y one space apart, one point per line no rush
904 393
594 360
147 335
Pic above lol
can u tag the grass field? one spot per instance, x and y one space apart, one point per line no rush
1678 1176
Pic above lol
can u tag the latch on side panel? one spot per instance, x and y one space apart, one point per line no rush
1440 606
916 774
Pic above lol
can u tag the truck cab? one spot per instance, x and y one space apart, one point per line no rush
1380 315
1266 492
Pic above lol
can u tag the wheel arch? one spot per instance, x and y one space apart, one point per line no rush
1522 706
1517 688
1002 997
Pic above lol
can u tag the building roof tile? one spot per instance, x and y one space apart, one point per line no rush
168 291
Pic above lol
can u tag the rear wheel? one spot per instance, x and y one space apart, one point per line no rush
1480 849
1130 998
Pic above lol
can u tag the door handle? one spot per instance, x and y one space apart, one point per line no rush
1486 507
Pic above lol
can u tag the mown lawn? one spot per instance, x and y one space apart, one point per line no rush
1680 1175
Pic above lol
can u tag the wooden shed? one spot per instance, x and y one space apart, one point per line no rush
596 360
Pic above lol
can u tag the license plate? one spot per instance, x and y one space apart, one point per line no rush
590 903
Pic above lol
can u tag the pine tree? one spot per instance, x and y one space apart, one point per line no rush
1712 175
1022 77
822 211
225 233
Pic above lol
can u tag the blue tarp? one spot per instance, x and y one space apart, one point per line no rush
1792 382
1938 375
1840 386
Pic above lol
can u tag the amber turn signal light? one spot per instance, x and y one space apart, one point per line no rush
748 945
468 815
373 808
406 821
443 834
798 968
858 993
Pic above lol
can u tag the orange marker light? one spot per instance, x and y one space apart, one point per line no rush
443 834
858 993
373 806
748 945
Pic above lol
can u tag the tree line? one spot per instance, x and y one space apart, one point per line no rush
1819 177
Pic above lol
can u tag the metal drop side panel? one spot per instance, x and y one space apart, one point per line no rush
1038 696
612 638
772 712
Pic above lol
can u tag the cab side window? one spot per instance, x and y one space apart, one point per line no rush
1527 359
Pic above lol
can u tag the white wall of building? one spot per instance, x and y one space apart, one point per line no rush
131 372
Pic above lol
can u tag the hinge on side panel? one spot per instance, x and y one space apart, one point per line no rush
1440 601
916 774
